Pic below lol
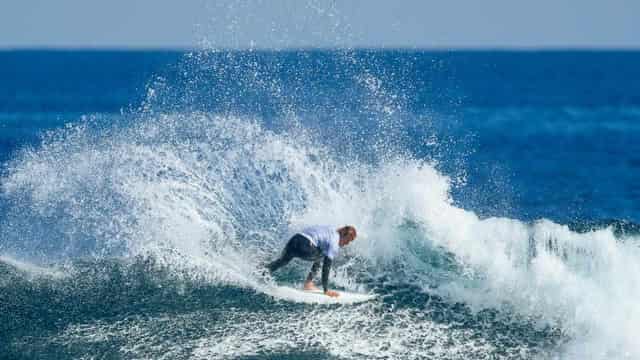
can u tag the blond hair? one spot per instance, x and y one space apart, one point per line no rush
348 230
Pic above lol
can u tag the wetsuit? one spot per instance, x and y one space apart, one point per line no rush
317 244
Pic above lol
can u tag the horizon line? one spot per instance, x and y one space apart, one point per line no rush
326 49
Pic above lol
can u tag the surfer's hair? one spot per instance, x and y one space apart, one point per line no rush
348 230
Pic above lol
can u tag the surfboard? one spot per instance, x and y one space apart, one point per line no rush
317 296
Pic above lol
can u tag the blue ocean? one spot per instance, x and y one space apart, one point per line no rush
496 196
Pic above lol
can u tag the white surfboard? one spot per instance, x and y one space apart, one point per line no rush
317 296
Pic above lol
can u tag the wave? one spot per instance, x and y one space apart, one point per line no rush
161 220
216 196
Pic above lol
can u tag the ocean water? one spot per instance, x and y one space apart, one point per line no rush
495 193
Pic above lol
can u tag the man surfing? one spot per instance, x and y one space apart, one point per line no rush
316 243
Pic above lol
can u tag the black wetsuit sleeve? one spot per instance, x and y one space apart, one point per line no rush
326 268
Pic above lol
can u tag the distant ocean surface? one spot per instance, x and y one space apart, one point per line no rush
496 194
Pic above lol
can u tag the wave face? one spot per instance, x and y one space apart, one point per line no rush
144 234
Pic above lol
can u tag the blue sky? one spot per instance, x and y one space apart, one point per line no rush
293 24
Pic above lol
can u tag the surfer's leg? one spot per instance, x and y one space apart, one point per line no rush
314 270
284 259
303 248
294 248
298 246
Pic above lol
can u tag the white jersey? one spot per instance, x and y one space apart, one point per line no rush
325 238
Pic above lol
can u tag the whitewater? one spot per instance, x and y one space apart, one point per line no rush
161 220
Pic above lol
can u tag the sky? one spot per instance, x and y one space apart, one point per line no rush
320 24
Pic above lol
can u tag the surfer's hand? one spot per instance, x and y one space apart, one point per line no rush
331 293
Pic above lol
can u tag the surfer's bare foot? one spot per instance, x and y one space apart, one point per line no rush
331 293
308 285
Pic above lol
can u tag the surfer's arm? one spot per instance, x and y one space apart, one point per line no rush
326 268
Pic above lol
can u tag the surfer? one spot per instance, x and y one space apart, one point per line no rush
318 243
